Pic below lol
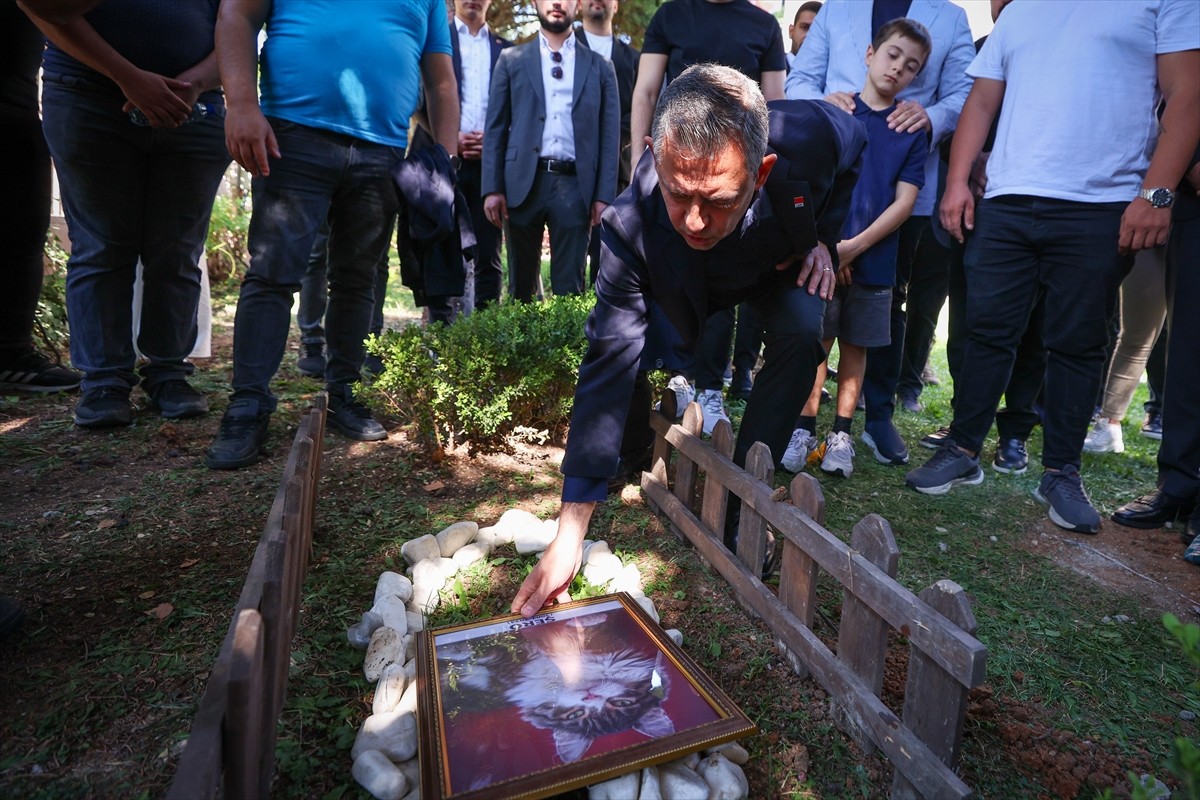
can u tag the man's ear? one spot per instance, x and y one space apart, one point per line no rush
764 169
870 54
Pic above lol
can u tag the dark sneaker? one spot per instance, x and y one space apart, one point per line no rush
36 373
12 614
934 440
373 365
1152 425
947 468
884 440
104 407
929 377
1011 457
176 399
1070 507
240 441
910 403
742 384
312 359
351 418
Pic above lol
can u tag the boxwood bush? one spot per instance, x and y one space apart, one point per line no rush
477 380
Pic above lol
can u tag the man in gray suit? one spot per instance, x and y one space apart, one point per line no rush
551 150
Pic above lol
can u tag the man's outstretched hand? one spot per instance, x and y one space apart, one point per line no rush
552 576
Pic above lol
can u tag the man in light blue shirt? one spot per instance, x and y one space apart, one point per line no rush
831 65
339 83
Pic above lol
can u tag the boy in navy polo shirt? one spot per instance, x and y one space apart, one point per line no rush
893 171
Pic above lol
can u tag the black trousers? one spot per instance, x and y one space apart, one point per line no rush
1179 453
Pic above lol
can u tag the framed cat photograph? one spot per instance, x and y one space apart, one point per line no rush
580 693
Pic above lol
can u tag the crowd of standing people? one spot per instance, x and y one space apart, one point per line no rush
841 188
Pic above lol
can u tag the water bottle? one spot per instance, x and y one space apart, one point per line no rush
199 111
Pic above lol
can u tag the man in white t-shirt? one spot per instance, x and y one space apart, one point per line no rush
1072 192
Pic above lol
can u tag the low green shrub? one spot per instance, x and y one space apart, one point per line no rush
50 331
476 380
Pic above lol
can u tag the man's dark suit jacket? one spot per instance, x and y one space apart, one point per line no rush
625 63
421 137
644 261
516 116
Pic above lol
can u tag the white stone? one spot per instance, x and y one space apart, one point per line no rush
394 584
648 606
676 636
392 611
379 776
446 568
454 537
470 554
419 549
679 782
425 599
359 634
691 760
622 788
410 648
533 539
394 734
408 700
731 750
512 521
389 690
386 648
629 580
412 771
650 789
410 671
415 794
602 568
488 536
427 582
590 547
416 622
725 780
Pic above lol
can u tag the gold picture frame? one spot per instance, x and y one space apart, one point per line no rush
580 693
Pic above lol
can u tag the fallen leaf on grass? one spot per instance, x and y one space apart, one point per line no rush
160 611
434 487
146 595
106 523
189 562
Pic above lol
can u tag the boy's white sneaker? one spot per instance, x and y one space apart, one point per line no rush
799 448
1105 437
839 454
712 403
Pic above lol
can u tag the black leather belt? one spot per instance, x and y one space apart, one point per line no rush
556 167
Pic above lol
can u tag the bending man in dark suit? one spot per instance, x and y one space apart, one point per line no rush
711 219
550 151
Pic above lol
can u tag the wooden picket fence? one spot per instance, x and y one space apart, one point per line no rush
230 750
945 659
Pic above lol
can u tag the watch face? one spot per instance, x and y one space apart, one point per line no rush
1161 198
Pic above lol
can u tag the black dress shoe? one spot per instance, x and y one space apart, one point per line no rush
1153 510
1192 529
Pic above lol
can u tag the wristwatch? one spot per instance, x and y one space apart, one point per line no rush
1159 198
456 162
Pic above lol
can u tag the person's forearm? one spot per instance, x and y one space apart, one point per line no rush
1180 120
77 38
237 30
651 69
772 85
887 222
973 125
441 92
204 76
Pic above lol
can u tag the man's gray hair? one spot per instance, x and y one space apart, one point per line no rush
708 107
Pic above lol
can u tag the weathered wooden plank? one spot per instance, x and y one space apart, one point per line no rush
716 496
685 467
243 753
908 753
862 634
961 655
798 572
752 527
935 705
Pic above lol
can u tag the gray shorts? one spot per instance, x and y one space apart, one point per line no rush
860 315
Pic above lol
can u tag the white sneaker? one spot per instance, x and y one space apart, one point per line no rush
795 458
712 403
684 393
1105 437
839 455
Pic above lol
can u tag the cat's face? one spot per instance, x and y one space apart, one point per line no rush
590 695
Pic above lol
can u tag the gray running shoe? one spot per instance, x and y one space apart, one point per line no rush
1070 507
795 458
712 403
839 455
947 468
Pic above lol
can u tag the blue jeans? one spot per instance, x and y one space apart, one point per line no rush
130 192
321 176
1026 248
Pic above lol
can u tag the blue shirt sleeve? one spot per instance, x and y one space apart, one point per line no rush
437 32
913 170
